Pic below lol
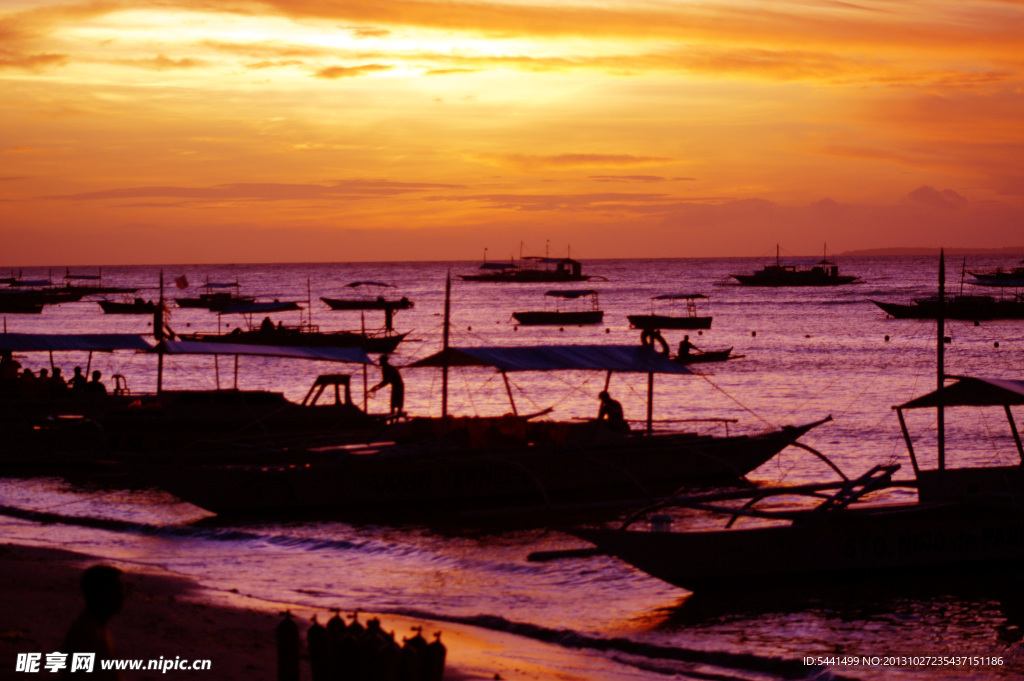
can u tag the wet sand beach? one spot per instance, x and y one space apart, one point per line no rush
167 615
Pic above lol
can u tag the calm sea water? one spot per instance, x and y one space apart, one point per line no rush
808 353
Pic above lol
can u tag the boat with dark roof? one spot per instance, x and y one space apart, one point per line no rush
780 274
530 270
582 311
693 314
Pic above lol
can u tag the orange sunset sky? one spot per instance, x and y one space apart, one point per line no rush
333 130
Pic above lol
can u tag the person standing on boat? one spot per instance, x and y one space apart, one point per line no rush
390 376
611 411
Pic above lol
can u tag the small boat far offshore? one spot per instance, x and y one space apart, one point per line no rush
821 273
530 270
368 302
693 317
581 316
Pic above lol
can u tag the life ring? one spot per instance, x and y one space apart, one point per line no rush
651 338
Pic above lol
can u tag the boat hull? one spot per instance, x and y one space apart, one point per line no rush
793 279
855 543
382 343
652 322
378 304
706 356
470 469
971 308
551 318
113 307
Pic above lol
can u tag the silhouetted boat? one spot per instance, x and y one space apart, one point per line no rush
963 519
821 273
691 317
481 462
530 270
584 313
216 300
305 336
706 356
1013 278
58 428
368 302
137 306
973 308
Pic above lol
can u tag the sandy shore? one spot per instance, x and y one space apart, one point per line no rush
169 615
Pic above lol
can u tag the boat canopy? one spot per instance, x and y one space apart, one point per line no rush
548 261
90 342
571 293
498 266
260 308
631 358
356 284
184 347
225 284
972 392
679 296
31 282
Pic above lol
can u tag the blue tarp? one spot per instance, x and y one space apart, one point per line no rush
98 342
631 358
180 347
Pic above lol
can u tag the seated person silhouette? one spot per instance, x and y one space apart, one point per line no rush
611 411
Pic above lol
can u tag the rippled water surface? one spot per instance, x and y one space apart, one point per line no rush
808 353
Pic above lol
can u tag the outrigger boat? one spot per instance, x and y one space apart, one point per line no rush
466 463
583 314
965 307
822 273
486 462
693 317
137 306
530 270
963 519
368 302
302 335
71 427
1013 278
215 298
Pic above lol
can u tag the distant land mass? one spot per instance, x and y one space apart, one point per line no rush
920 250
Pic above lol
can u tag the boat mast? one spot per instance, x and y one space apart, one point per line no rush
444 350
158 335
940 323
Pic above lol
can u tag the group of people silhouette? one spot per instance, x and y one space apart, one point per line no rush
46 383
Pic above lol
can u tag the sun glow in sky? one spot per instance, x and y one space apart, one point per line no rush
317 130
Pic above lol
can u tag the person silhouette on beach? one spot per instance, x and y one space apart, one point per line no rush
390 376
89 633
